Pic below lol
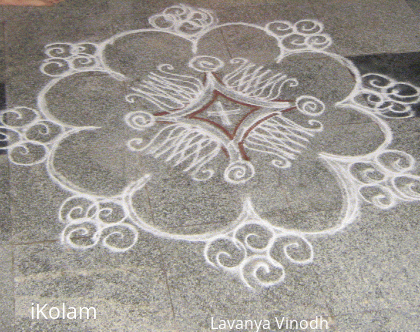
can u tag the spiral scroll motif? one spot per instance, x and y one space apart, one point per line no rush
251 251
173 100
90 221
239 172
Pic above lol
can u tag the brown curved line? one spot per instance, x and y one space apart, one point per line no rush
162 113
242 151
205 106
218 126
218 79
225 151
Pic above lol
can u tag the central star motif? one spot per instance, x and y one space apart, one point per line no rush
235 114
226 114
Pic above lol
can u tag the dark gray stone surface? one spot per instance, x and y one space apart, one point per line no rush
7 299
362 278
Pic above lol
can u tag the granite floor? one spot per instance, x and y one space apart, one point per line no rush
208 166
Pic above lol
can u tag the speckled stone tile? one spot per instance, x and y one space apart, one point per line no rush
155 242
7 287
379 26
125 290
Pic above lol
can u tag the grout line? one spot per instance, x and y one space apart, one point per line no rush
35 242
226 43
162 263
14 288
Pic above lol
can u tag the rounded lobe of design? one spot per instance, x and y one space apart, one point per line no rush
366 172
144 51
183 20
407 186
292 247
18 117
331 73
248 42
255 237
64 58
280 28
396 161
86 99
43 131
304 35
224 252
81 234
90 221
139 120
104 174
260 271
28 153
204 63
388 97
378 195
309 105
239 172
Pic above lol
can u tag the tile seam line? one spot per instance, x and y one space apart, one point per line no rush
15 244
14 287
8 168
9 208
162 263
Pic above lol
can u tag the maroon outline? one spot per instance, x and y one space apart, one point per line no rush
216 94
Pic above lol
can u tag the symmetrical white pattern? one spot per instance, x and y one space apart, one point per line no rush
254 250
253 81
218 109
183 20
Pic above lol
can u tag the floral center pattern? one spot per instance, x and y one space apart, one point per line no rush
248 116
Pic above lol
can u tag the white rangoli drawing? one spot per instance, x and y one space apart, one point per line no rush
217 106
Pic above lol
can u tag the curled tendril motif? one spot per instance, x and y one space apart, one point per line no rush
407 186
262 271
309 105
378 195
387 97
140 120
366 172
65 58
251 248
396 161
206 63
184 20
257 252
225 252
91 221
27 153
386 178
239 172
300 36
26 135
308 27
